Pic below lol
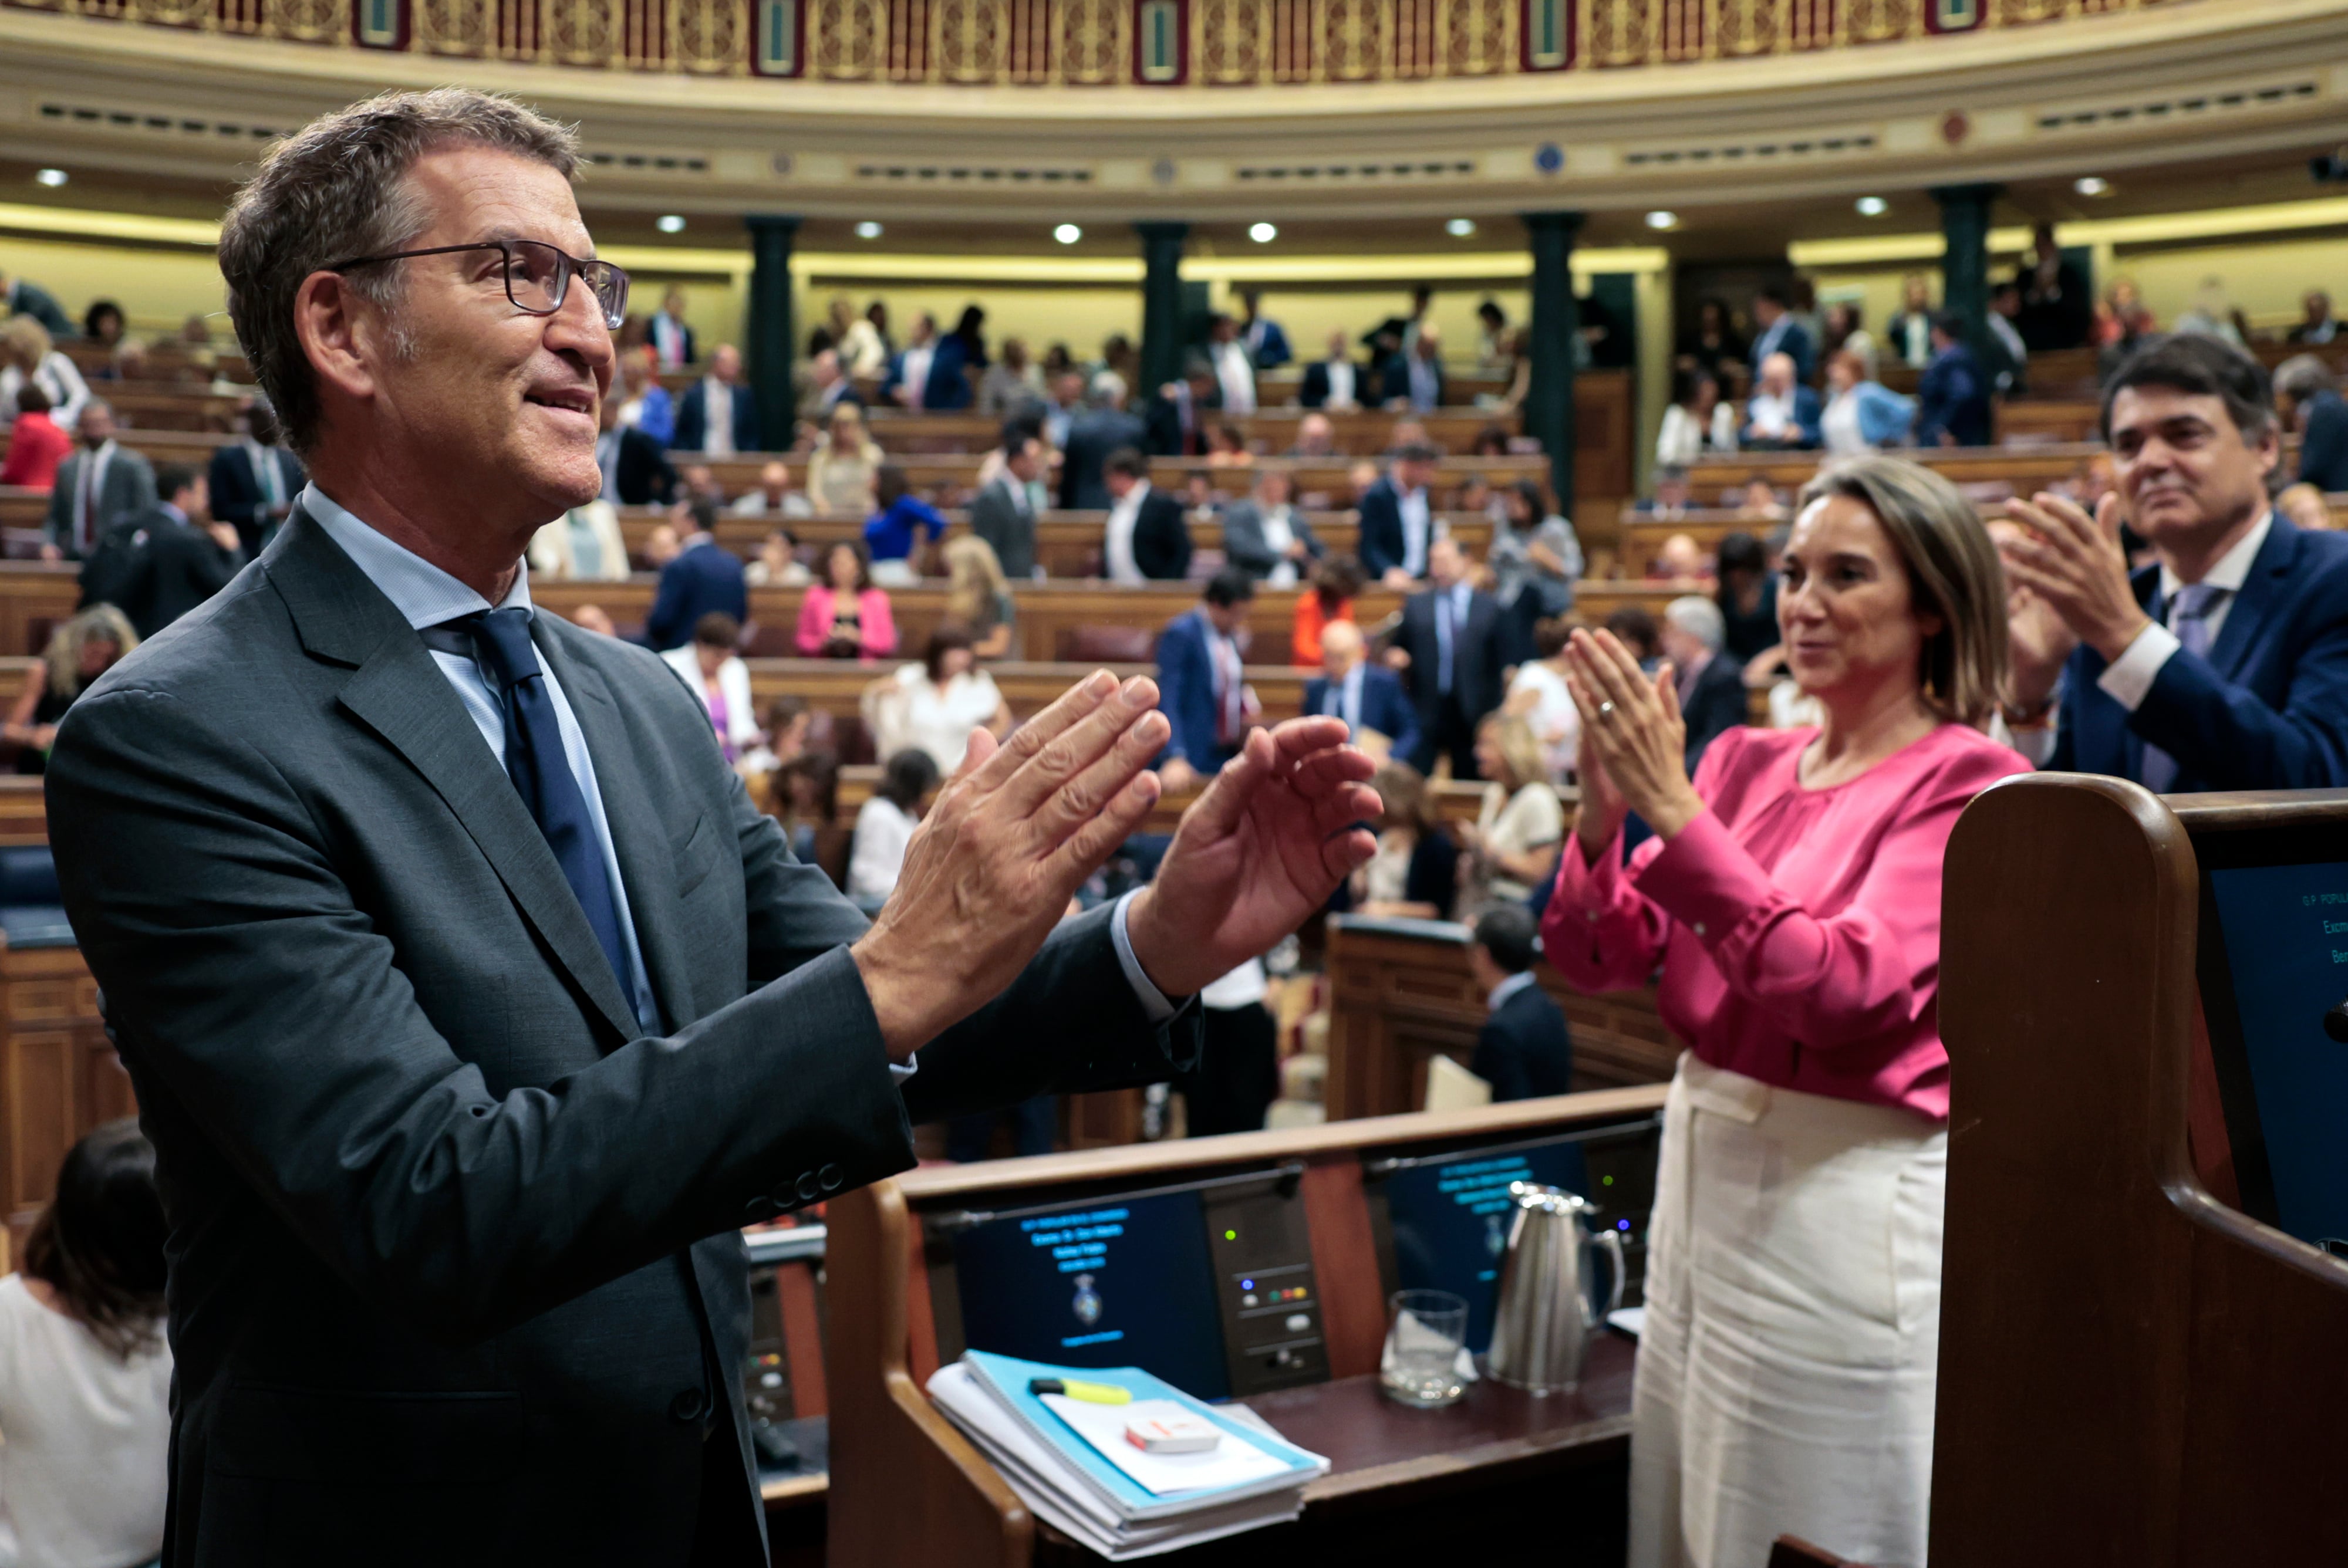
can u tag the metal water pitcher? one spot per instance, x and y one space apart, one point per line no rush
1543 1325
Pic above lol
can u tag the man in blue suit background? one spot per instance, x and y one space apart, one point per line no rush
718 415
1952 395
2225 665
1202 683
704 577
1366 695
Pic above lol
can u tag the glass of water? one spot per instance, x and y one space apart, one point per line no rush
1421 1362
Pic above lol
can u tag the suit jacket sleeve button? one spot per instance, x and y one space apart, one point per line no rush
808 1188
689 1406
830 1177
758 1209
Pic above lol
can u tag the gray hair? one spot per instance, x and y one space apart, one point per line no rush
1699 617
337 188
2303 375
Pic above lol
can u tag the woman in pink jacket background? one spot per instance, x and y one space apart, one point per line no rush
844 616
1791 900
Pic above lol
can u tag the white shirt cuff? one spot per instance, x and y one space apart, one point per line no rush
1153 1000
900 1070
2128 679
2035 744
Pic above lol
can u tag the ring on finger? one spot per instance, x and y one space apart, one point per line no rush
1606 710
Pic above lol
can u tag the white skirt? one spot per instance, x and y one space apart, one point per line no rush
1793 1294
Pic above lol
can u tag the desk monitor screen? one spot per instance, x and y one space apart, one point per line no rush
1445 1215
2274 960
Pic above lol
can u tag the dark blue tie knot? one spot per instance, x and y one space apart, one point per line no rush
502 639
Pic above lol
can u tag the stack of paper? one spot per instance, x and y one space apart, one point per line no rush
1070 1461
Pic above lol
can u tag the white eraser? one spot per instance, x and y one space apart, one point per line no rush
1163 1427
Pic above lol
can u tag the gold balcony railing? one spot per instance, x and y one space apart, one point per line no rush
1092 43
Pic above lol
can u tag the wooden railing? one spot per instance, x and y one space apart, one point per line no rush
1091 43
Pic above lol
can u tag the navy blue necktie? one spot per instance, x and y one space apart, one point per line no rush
540 770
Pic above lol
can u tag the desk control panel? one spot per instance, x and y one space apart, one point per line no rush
1266 1293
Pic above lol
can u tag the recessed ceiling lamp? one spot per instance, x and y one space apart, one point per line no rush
2092 185
868 230
1067 233
1872 206
669 223
52 177
1262 234
1662 219
1460 228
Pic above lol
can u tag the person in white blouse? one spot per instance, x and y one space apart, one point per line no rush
933 706
885 825
1539 697
27 354
583 544
1697 421
1234 371
85 1373
715 673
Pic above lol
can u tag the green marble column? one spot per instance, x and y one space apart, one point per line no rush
1161 305
1964 269
772 331
1549 400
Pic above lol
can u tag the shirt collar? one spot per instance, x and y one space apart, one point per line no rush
422 593
2232 569
1506 988
173 512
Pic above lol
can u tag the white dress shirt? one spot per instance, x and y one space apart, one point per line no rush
717 417
1418 527
1116 552
426 596
1771 416
84 1472
914 374
1342 390
1236 375
668 339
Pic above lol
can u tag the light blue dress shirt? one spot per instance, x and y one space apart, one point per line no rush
426 596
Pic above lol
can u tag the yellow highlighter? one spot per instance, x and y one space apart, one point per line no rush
1090 1393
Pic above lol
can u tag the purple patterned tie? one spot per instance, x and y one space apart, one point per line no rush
2189 619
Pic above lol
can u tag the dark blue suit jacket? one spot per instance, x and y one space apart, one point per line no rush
1523 1050
2268 709
1807 412
1381 536
693 421
2322 451
237 495
1385 707
948 387
1186 693
702 579
1953 396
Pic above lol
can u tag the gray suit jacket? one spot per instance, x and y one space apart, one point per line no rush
125 490
1243 540
995 518
445 1227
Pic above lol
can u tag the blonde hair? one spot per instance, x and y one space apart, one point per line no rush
1520 753
1953 573
27 343
974 580
98 623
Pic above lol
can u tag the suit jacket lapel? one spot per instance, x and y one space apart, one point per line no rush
398 692
2256 597
640 838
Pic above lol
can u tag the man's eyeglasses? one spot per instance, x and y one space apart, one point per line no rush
538 276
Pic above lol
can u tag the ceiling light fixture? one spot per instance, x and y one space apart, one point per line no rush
1460 228
1067 233
1872 206
1262 234
2092 185
52 177
670 223
868 230
1659 220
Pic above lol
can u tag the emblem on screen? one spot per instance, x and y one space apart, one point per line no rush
1088 1305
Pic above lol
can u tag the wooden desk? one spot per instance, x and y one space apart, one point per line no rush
2025 467
1400 996
58 1075
955 475
34 596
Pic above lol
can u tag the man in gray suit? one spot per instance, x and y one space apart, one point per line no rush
470 1005
1003 514
99 486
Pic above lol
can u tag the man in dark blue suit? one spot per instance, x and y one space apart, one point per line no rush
703 577
1398 520
1202 683
253 482
2310 393
2225 665
1952 395
736 428
1777 332
1366 696
1449 648
1710 686
1092 436
1523 1050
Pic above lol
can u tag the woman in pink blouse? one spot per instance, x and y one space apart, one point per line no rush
844 616
1791 900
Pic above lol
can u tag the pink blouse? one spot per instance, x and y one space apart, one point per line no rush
1799 930
874 630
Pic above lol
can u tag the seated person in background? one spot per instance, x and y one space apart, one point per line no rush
35 445
1227 446
1003 513
1698 421
636 471
98 486
1337 582
1448 650
1791 896
978 597
1782 414
1146 536
1414 379
645 403
1366 696
1202 683
711 665
2307 393
1861 414
718 413
1011 383
1334 383
1315 437
2317 324
698 482
1396 518
27 354
845 616
1538 696
1952 395
841 470
1415 871
103 324
1265 536
1512 844
1523 1050
777 564
85 1374
933 705
1679 558
885 825
159 564
828 386
772 497
2305 505
903 524
85 647
1202 503
783 736
583 544
1711 688
2225 665
1759 499
1670 499
804 799
1405 433
703 576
